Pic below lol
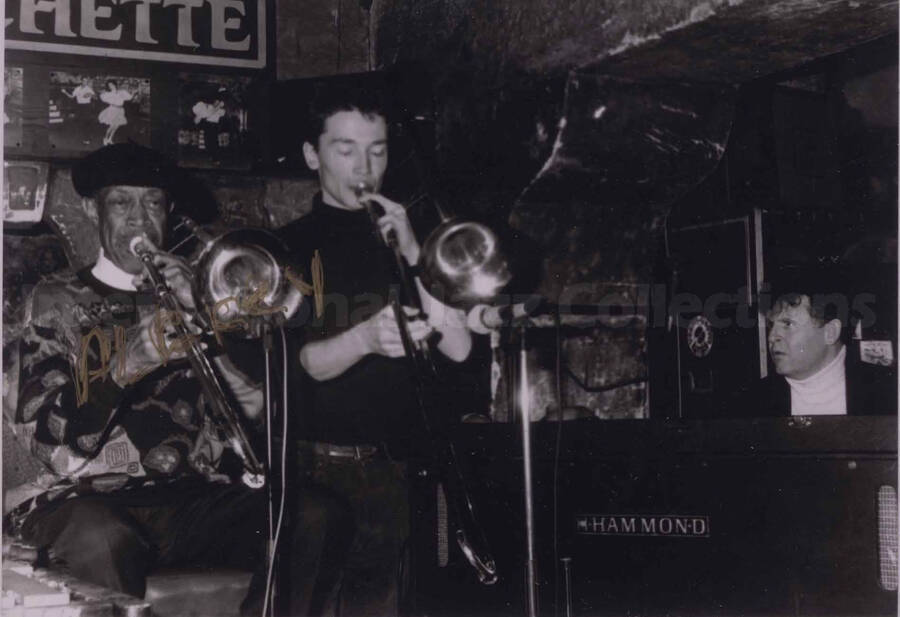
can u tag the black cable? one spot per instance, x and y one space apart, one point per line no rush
339 25
582 384
559 423
366 5
268 599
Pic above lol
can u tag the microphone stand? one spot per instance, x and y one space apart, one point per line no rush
542 308
275 520
525 411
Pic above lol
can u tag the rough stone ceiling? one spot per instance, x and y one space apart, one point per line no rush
639 129
748 40
697 40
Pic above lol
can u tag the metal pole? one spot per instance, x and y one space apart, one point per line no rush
567 562
525 407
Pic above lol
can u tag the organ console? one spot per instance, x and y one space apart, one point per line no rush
763 516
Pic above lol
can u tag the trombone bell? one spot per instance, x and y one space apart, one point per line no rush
462 259
240 277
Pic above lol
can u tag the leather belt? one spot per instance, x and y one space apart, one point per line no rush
359 452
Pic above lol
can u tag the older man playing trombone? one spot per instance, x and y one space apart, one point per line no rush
140 476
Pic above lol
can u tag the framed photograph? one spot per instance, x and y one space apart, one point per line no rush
213 122
13 84
87 111
24 191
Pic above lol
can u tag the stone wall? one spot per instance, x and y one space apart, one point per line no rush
322 37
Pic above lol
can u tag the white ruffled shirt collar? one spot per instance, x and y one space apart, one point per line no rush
824 393
107 272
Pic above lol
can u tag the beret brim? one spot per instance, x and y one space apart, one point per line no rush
130 164
126 164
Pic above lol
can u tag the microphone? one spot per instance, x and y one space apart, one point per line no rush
483 318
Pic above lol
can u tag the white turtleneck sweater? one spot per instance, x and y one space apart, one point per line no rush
111 274
824 393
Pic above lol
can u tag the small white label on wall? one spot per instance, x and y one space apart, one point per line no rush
876 352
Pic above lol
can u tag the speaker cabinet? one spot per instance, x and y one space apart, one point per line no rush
720 342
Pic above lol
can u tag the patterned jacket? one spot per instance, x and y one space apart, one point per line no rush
80 423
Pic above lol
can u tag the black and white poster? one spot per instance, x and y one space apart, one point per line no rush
213 121
87 111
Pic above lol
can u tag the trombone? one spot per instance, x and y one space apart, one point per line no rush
232 267
460 262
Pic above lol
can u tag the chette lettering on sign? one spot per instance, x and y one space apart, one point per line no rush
225 32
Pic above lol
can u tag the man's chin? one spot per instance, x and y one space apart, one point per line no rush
130 264
781 369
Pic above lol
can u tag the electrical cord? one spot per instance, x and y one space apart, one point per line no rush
269 608
269 416
559 423
582 384
271 537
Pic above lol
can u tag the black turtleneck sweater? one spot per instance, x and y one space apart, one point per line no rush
373 401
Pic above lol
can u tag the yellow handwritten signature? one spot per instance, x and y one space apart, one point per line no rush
250 305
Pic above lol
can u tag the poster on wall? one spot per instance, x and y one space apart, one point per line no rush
213 129
13 82
87 111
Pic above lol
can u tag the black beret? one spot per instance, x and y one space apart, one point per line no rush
126 164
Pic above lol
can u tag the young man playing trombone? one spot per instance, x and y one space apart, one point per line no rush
140 477
357 405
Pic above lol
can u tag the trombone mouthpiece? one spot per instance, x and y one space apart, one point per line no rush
366 186
140 245
363 186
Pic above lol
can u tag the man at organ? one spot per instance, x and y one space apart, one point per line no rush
141 476
817 372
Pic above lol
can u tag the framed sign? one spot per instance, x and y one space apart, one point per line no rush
213 32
